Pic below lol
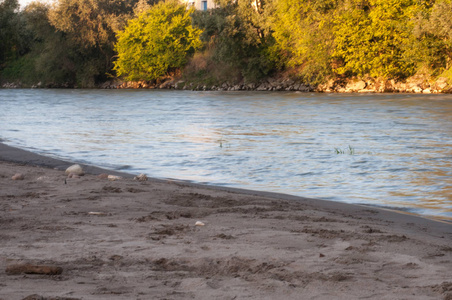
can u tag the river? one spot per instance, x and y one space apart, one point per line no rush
388 150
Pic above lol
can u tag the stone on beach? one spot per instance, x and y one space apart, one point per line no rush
113 177
199 223
18 176
75 169
141 177
96 213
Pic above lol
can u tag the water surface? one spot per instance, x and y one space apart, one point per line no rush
392 150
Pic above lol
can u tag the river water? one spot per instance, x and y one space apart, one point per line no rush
389 150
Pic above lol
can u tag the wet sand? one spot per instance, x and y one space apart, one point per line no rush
128 239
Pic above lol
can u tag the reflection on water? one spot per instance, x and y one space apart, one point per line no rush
284 142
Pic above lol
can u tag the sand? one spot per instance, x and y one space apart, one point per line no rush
128 239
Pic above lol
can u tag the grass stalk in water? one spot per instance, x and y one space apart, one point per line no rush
350 150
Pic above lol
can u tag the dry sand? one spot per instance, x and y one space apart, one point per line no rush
138 240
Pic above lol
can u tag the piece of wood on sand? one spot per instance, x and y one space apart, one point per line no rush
33 269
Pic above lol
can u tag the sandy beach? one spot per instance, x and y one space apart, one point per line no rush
91 238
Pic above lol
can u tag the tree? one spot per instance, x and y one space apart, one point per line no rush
433 31
236 42
304 36
11 33
372 38
91 22
156 42
88 28
69 43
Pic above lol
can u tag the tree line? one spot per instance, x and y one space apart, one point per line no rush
83 43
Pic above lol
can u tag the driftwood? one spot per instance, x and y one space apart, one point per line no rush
38 297
33 269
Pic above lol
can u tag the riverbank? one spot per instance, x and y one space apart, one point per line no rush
415 84
129 239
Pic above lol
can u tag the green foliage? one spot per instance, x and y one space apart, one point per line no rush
70 43
304 34
433 33
156 42
52 56
21 69
350 150
373 38
91 22
447 74
76 42
51 59
8 26
13 37
236 40
89 28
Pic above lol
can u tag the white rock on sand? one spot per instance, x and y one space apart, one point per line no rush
141 177
113 177
18 176
76 170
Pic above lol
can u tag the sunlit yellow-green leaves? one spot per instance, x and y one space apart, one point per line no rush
372 37
304 35
75 42
156 42
433 32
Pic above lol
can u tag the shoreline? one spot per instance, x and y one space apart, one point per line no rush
22 156
128 239
239 88
416 84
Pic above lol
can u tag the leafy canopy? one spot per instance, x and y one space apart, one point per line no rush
372 38
433 30
12 39
80 42
236 43
156 42
91 22
304 35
